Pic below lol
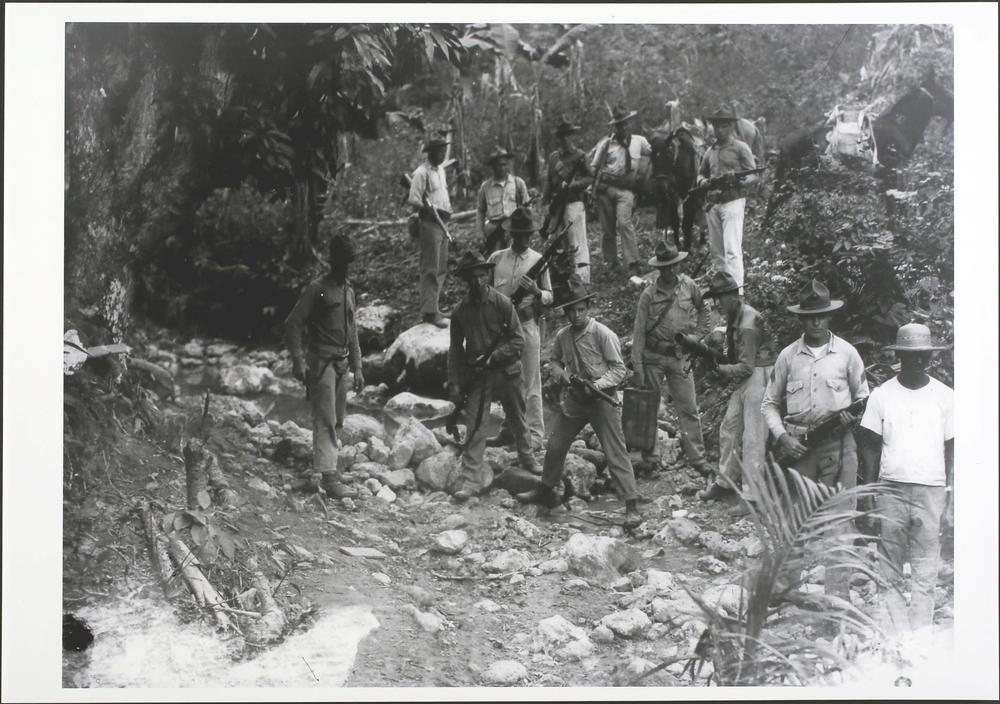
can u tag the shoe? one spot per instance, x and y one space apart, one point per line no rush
632 516
702 468
714 491
337 489
501 439
436 319
544 495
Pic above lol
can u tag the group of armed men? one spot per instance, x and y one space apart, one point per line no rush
818 379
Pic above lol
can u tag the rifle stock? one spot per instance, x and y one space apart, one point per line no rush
582 383
539 267
717 182
700 349
821 430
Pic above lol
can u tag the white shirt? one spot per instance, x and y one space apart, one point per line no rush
914 425
429 180
511 266
614 161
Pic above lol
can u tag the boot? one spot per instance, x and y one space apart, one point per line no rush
544 495
632 516
714 491
337 489
436 319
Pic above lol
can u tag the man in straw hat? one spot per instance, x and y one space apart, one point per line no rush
428 184
672 305
592 352
725 216
616 163
567 177
484 360
750 358
324 315
510 273
498 196
818 375
908 442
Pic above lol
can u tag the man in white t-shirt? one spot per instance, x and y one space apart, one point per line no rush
908 442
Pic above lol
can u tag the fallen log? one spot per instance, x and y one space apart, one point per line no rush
156 543
201 589
459 216
271 623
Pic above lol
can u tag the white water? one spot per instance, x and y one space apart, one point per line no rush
142 644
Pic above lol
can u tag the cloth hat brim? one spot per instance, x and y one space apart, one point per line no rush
832 306
620 120
658 263
921 348
709 293
575 300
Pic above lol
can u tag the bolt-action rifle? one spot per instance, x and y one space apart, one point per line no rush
584 384
720 182
557 208
713 357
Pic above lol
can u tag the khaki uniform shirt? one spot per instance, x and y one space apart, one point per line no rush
475 325
748 345
498 199
510 267
615 161
324 314
807 388
726 158
597 357
661 314
430 180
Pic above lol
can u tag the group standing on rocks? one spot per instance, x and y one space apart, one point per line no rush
496 340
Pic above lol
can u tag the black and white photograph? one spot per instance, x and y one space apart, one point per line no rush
453 351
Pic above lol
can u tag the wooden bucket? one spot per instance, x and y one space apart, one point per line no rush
639 410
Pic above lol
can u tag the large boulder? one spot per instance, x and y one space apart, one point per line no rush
579 476
685 530
599 557
508 561
450 542
361 428
243 379
420 356
409 404
377 326
440 472
413 433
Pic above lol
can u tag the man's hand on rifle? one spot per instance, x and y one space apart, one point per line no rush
792 447
846 419
359 379
529 285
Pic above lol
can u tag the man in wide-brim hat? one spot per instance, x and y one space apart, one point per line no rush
484 363
727 203
814 378
428 183
510 275
908 443
567 177
616 160
750 355
672 305
498 196
591 351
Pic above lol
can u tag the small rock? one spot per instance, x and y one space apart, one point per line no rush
364 492
476 558
382 578
627 624
599 557
657 631
576 649
378 451
450 542
602 634
430 621
401 454
453 521
622 584
525 528
487 605
508 502
386 494
577 505
505 672
360 428
534 572
516 578
260 485
662 582
728 597
679 513
554 566
571 586
579 476
440 472
508 561
374 485
685 530
675 502
720 547
347 503
751 546
412 432
550 680
711 565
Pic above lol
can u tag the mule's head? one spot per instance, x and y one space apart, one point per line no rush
944 101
